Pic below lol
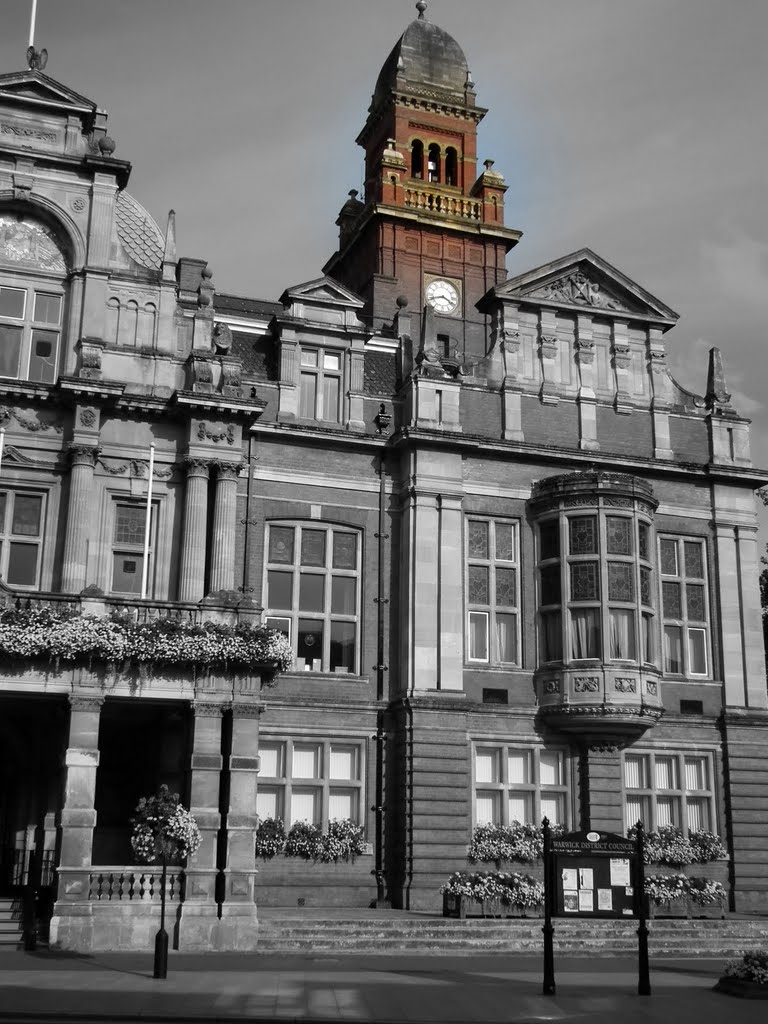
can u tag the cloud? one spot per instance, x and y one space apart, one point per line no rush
739 268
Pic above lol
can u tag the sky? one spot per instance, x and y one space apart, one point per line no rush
638 128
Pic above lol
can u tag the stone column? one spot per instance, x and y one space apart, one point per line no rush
79 517
71 925
224 528
451 627
205 782
238 924
192 569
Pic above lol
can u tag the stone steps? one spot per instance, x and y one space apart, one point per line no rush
10 921
396 935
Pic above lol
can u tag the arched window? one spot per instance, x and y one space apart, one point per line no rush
146 329
33 291
433 162
129 316
113 320
451 166
417 159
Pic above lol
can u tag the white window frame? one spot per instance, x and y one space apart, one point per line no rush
136 550
320 373
533 789
321 784
288 619
32 286
685 623
651 793
477 612
8 537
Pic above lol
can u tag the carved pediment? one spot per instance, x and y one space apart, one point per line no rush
36 88
584 280
324 291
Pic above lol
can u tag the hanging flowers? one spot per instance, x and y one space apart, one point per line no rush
163 830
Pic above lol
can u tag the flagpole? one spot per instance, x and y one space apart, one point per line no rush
32 23
147 524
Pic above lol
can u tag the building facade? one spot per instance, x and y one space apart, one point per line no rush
515 561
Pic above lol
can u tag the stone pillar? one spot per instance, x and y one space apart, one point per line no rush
79 515
224 528
205 782
451 626
586 401
600 787
238 924
71 925
192 570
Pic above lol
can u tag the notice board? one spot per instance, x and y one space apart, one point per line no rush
593 874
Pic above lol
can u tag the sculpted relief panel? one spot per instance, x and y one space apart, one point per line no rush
30 243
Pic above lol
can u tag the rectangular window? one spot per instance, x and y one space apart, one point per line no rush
669 789
21 537
684 606
312 593
493 596
30 333
320 385
128 548
522 784
311 780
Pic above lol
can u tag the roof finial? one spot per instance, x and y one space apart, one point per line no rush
37 59
421 7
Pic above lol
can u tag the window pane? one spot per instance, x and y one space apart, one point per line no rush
342 804
622 623
668 811
635 771
10 350
646 590
621 581
649 642
697 813
670 593
269 803
477 539
309 357
487 808
478 636
22 564
42 356
618 535
126 572
342 647
313 547
551 768
26 515
519 767
281 544
551 636
553 807
668 553
585 581
478 587
3 499
644 541
697 651
344 551
331 394
311 592
279 589
673 649
12 302
331 361
343 595
486 765
506 587
505 542
305 806
549 539
506 637
694 559
281 624
309 648
666 773
520 807
694 598
637 808
583 535
130 521
271 755
585 633
550 585
306 761
696 774
47 308
308 398
343 762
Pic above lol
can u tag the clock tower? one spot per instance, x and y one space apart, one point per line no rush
428 227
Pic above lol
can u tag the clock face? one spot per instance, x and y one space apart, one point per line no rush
443 296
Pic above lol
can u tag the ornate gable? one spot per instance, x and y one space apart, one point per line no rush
323 291
36 89
584 280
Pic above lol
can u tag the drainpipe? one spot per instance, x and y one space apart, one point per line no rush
381 668
248 522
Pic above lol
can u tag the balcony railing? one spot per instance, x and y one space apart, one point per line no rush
139 885
444 204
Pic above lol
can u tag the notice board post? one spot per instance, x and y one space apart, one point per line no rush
594 875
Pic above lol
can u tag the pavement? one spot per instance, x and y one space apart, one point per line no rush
46 986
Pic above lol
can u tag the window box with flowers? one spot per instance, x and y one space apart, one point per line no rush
518 842
497 894
681 896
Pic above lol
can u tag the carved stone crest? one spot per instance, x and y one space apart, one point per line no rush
625 684
578 289
586 684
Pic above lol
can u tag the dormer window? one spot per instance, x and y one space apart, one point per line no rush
417 159
433 163
320 385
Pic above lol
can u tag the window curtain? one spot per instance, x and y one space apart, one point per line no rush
552 636
585 633
673 653
622 634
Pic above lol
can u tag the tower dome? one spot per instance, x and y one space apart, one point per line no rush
430 61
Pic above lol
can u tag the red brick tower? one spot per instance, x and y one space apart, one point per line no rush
429 228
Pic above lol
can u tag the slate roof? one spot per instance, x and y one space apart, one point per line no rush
380 373
256 352
237 305
432 62
141 237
